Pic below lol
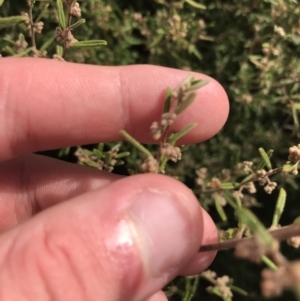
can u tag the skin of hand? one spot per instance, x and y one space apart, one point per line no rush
70 232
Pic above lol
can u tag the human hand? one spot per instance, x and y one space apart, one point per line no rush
70 232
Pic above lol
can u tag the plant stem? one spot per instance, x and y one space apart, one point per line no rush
69 20
279 234
31 26
253 178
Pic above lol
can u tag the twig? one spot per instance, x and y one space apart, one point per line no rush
279 234
69 21
252 179
32 33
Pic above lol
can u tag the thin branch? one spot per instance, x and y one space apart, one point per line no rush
279 85
252 179
32 33
279 234
69 21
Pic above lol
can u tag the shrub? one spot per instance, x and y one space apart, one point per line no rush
250 47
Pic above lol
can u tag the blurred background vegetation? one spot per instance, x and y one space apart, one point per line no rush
251 47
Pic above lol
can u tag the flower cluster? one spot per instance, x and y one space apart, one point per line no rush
177 28
286 276
157 130
171 152
294 241
264 180
294 153
294 156
150 165
220 283
214 183
20 44
85 158
247 166
250 187
105 161
65 36
36 27
254 249
75 10
201 176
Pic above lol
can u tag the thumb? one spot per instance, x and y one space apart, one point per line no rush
123 242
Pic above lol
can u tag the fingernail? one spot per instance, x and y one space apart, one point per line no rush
164 229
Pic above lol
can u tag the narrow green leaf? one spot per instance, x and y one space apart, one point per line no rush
23 53
265 158
168 98
295 117
64 152
100 148
190 289
289 167
131 40
1 2
246 179
254 224
156 40
21 38
91 164
238 200
279 206
11 21
186 103
87 152
220 208
198 84
135 143
76 24
116 147
9 50
195 4
59 50
9 40
42 13
123 155
119 163
228 186
228 197
269 263
107 157
89 44
176 136
238 290
47 43
193 50
262 164
189 79
98 153
61 14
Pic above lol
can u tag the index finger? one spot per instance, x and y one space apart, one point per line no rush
47 104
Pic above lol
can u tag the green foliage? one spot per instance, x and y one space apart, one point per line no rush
250 47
